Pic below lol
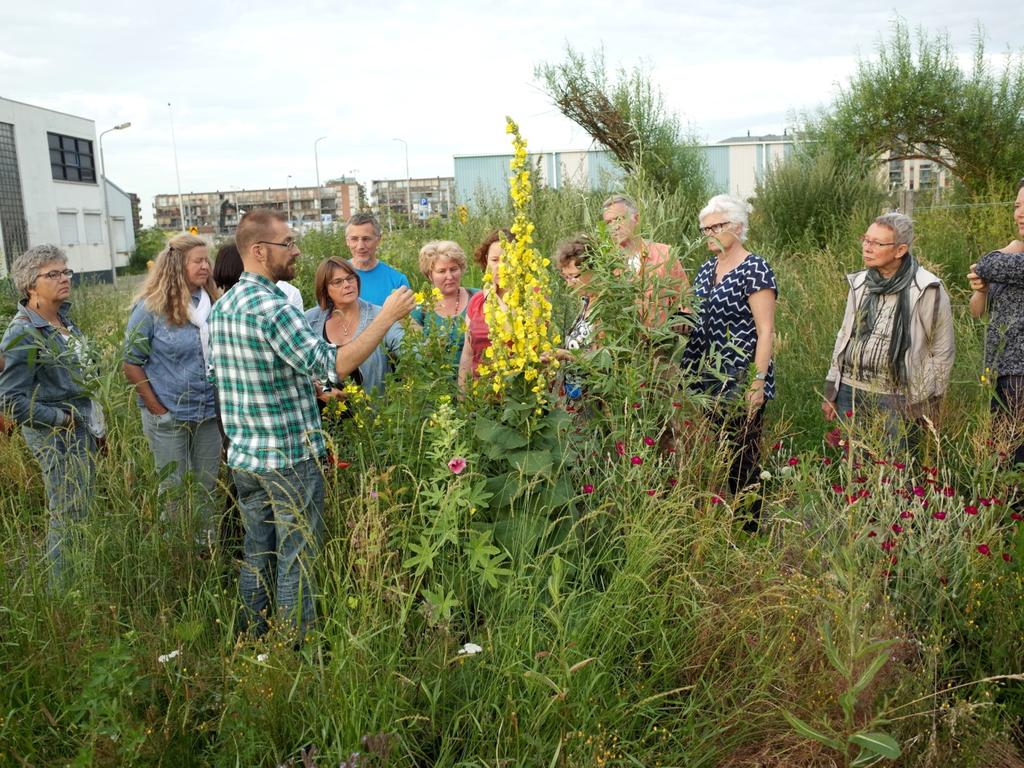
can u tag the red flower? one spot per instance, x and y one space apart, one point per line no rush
888 545
897 528
716 499
983 549
970 509
636 406
672 482
860 479
648 441
906 514
899 465
793 461
1016 516
651 491
834 437
849 414
837 488
777 446
918 491
636 461
947 491
620 448
826 461
341 464
863 493
588 488
939 515
1006 557
871 534
985 502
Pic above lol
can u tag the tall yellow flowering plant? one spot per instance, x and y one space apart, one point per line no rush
519 322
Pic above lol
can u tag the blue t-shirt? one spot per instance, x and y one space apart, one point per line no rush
725 337
376 284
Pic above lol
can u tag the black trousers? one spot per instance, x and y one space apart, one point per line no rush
1008 405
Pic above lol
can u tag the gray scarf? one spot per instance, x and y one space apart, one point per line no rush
877 286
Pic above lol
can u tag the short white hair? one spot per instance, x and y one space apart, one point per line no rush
735 209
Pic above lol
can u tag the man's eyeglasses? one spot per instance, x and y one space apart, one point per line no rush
873 244
55 274
714 229
289 243
340 281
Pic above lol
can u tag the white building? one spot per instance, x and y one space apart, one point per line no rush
49 190
122 226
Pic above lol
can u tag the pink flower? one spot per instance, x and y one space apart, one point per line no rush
983 549
939 515
620 448
793 461
648 441
588 488
636 461
970 509
457 464
897 528
716 499
918 491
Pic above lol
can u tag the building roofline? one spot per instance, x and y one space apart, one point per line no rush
115 186
47 109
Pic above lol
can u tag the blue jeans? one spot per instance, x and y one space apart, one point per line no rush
192 448
66 458
282 514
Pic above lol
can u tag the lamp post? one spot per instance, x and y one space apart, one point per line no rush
177 173
319 202
408 181
106 204
288 198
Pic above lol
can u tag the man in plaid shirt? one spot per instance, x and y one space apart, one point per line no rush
265 357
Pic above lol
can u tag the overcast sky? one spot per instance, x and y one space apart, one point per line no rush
254 83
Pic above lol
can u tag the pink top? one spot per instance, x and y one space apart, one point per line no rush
478 332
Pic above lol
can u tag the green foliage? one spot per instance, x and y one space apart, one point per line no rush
628 115
148 243
913 100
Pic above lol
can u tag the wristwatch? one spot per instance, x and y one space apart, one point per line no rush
761 376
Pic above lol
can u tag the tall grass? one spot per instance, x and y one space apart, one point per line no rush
639 627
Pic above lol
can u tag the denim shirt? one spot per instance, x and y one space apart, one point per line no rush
172 358
42 380
374 367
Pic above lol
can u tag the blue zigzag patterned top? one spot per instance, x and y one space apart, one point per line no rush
721 346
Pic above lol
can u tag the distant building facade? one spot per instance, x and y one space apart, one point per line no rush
217 213
429 197
122 221
50 191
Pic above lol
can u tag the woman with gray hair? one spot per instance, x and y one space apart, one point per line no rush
894 351
729 351
45 385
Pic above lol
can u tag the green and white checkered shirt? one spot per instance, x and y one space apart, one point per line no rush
264 355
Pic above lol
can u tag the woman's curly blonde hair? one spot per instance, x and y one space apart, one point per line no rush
166 292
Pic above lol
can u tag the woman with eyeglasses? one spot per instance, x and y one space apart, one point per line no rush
729 351
340 316
443 263
894 351
997 287
45 387
166 358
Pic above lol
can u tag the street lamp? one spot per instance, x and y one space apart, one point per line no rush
408 180
319 202
177 173
106 204
288 198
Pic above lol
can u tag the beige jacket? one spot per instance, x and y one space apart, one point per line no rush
932 347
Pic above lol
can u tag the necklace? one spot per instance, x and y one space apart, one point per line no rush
345 323
458 302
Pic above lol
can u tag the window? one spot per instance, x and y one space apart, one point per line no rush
71 159
68 225
93 228
12 210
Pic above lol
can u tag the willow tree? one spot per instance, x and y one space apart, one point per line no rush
913 100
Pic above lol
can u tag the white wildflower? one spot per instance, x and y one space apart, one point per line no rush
766 475
469 649
262 657
165 657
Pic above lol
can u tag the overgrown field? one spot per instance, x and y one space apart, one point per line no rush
624 617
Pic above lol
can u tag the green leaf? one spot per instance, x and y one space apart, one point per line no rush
808 732
504 489
877 743
532 462
423 559
497 438
869 674
831 651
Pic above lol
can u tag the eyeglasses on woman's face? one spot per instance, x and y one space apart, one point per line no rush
338 282
873 245
56 274
714 229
